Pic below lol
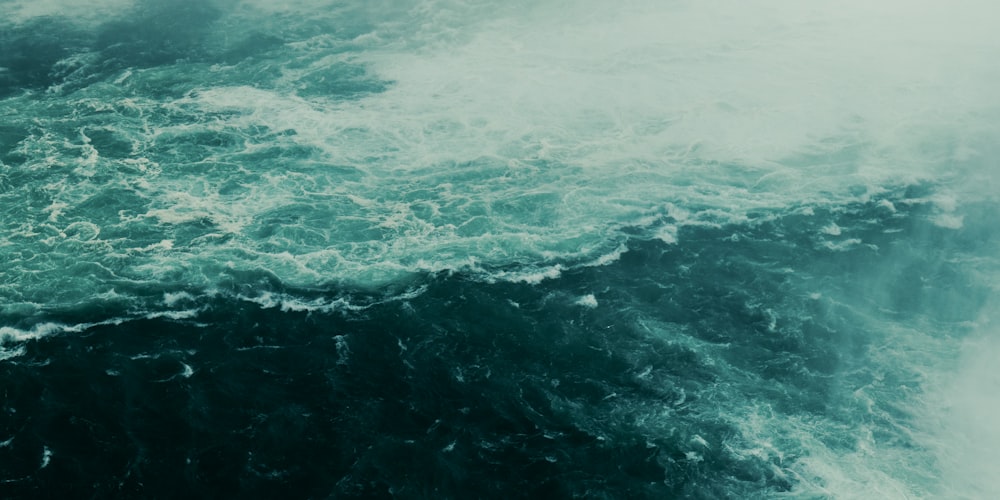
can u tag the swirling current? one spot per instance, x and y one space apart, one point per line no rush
472 249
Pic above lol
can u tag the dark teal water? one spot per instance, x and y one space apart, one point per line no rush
436 249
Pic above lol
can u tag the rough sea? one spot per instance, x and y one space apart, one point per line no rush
433 249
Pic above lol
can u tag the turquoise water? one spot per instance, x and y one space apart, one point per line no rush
447 249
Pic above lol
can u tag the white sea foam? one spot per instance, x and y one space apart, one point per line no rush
588 301
526 131
12 339
11 334
175 315
821 470
609 257
8 352
843 245
172 299
287 302
531 277
46 457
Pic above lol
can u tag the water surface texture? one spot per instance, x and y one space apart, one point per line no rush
523 249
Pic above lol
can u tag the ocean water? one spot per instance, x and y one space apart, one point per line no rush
525 249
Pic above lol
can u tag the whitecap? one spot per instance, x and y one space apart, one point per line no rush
588 301
46 457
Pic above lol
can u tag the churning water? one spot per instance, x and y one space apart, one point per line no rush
473 249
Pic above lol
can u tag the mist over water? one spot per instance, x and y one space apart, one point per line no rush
453 249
